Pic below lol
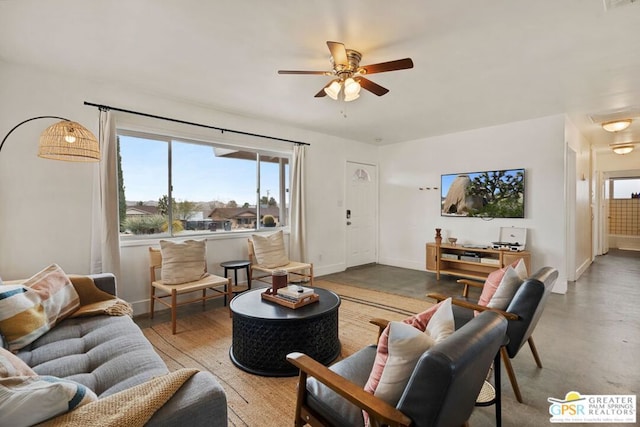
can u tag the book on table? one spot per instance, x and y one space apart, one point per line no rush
295 292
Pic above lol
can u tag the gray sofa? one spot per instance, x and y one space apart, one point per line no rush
110 353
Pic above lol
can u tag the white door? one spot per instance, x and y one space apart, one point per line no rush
361 213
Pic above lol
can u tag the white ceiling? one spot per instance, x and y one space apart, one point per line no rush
477 63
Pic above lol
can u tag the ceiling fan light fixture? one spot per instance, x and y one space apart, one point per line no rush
333 90
351 87
617 125
623 149
349 98
345 64
351 90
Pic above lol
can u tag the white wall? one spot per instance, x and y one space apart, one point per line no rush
609 161
408 216
45 205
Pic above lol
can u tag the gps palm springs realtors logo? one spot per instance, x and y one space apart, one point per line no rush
577 408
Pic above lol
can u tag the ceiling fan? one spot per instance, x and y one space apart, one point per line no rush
349 75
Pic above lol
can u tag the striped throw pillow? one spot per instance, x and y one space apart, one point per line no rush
25 401
30 309
12 366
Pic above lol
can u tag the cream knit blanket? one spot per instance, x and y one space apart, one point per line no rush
94 301
132 407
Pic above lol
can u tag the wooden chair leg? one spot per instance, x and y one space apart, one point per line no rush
152 301
512 375
535 352
173 311
204 296
311 278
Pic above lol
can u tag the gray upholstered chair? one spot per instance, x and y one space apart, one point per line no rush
522 313
441 391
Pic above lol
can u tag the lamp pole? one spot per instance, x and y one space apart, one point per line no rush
28 120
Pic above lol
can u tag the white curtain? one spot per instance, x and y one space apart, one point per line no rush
298 237
105 233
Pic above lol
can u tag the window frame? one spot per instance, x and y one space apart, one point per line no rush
284 183
614 191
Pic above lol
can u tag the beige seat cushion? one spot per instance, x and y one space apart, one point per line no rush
206 282
269 250
183 262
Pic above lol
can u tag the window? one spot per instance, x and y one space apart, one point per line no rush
176 187
624 188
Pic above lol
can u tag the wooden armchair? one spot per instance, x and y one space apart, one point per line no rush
441 391
522 314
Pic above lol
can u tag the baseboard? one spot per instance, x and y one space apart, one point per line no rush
328 269
561 286
583 267
403 263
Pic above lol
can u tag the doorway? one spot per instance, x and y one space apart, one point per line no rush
624 211
361 213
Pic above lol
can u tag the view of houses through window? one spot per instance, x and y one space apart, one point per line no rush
171 187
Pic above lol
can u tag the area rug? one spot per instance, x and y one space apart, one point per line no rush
203 342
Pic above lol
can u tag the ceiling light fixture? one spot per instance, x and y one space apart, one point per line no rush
333 90
617 125
65 140
349 88
622 148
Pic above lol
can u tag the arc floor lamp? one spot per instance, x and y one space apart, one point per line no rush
65 140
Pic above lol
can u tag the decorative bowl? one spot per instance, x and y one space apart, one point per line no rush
453 240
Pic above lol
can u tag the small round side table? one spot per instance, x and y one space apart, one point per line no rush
235 266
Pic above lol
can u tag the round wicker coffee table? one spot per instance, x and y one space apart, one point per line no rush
265 332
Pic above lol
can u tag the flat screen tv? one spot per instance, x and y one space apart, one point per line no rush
490 194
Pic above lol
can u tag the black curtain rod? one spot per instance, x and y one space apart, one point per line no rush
184 122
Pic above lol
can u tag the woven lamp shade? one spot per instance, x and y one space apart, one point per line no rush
69 141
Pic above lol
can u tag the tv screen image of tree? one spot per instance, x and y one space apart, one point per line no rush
491 194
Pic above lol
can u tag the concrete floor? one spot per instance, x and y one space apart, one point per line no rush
588 339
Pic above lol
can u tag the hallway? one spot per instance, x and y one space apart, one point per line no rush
588 339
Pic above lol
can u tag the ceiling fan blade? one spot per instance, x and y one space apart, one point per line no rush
321 73
338 52
372 87
399 64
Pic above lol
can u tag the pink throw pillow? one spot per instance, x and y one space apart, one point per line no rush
418 321
491 284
